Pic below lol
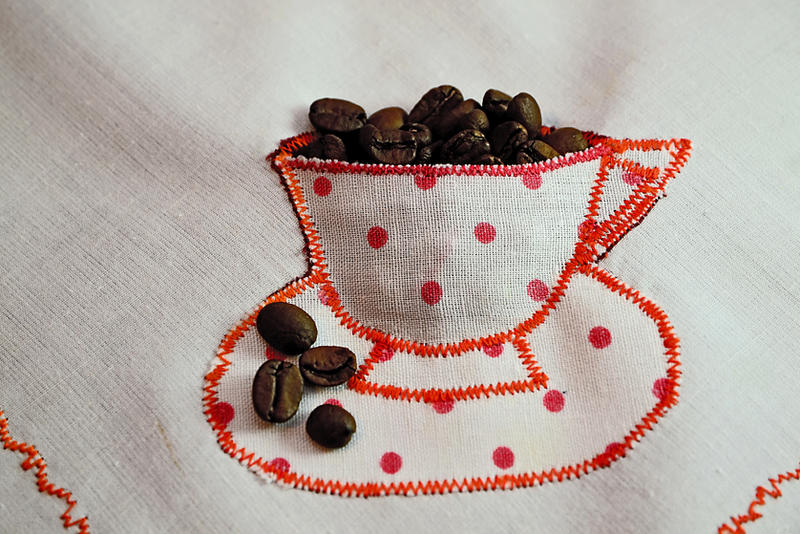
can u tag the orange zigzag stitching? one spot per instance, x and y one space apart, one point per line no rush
760 500
35 459
245 457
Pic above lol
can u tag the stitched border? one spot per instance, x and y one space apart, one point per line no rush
34 459
590 246
291 478
735 526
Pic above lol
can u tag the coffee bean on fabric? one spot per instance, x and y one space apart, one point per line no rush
507 138
534 151
447 123
277 390
333 147
327 365
388 118
566 139
495 104
395 147
474 120
286 327
434 103
524 110
421 132
465 146
336 115
488 159
330 426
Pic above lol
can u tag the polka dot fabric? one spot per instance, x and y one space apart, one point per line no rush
493 352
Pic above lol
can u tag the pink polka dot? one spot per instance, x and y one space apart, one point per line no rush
600 337
326 295
334 402
660 388
391 462
280 465
222 412
377 237
485 232
424 181
431 292
273 354
503 457
384 354
493 351
322 186
443 406
538 290
631 178
532 181
553 400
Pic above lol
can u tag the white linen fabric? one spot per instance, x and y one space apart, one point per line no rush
139 220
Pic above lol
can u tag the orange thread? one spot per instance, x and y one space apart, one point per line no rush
735 527
34 459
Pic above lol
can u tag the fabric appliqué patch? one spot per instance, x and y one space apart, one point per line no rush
482 324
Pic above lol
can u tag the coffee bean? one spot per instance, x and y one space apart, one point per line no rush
396 147
327 366
286 327
311 150
330 426
336 115
474 120
333 147
488 159
524 109
424 154
542 151
495 104
507 138
277 390
388 118
567 139
446 124
435 102
523 158
465 146
421 132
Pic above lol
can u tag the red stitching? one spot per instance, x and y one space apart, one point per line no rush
735 527
604 459
34 459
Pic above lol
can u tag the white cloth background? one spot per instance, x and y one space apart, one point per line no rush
139 221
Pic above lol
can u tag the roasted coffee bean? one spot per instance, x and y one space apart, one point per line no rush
333 147
542 151
327 366
465 146
421 132
567 139
495 104
523 158
336 115
396 147
474 120
524 109
447 123
311 150
388 118
488 159
507 138
434 103
330 426
424 154
277 390
286 327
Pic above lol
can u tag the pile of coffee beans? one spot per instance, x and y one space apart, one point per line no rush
278 384
441 128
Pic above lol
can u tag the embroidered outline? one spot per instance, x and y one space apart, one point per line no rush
735 527
35 459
